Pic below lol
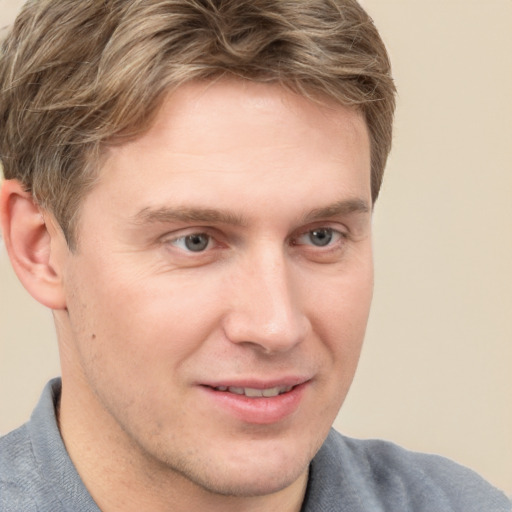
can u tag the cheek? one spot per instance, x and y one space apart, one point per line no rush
340 319
142 321
342 301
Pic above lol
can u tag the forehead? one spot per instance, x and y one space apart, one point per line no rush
223 111
244 140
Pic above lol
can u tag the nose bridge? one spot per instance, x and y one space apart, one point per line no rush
265 311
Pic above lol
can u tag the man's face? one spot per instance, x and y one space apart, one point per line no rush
218 298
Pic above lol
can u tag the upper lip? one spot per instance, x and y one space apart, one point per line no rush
254 383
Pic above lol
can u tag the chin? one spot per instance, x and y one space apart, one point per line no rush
247 483
246 473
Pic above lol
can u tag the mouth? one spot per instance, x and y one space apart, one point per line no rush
256 402
255 392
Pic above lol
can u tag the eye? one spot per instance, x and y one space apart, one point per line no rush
319 237
196 242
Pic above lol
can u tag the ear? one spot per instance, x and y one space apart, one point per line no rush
29 242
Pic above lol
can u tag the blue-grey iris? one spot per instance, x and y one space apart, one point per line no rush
320 237
197 242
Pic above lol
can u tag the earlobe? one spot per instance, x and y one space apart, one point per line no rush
28 241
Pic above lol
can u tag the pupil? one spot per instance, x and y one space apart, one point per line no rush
321 237
197 242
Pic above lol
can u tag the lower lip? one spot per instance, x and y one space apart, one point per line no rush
260 410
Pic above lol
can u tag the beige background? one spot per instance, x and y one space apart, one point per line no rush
436 372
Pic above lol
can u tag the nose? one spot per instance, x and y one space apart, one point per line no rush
266 307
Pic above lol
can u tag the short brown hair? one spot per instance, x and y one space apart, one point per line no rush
76 76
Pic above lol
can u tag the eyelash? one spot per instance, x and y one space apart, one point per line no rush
185 238
335 236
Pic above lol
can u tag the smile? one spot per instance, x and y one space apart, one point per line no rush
257 403
255 393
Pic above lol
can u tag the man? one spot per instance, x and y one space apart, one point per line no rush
189 187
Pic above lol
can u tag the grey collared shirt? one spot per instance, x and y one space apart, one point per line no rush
347 475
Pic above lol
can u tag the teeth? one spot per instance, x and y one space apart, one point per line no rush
256 393
250 392
272 392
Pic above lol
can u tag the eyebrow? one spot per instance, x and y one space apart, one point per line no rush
184 214
151 215
341 208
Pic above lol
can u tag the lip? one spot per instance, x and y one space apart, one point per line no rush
258 410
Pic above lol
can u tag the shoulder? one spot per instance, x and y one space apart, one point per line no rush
17 472
378 475
36 473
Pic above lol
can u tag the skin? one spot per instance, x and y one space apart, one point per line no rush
145 325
